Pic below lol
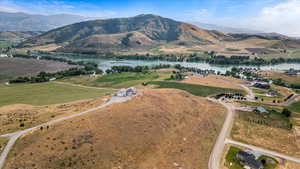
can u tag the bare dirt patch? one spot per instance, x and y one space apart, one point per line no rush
13 67
215 81
161 129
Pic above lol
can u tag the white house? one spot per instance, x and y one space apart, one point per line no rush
2 55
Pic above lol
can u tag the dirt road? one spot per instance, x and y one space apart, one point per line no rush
14 136
217 153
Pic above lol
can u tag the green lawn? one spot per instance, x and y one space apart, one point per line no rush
197 90
231 154
45 93
270 163
295 107
117 80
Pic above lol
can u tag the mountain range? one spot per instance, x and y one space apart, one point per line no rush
29 22
147 32
142 31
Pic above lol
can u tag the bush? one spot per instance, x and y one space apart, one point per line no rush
286 112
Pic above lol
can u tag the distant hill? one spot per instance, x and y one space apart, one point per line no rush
142 31
27 22
18 35
145 32
268 36
225 29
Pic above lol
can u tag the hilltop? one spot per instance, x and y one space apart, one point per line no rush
149 32
146 132
142 31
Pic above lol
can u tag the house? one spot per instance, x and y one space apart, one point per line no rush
3 55
249 160
272 93
261 110
52 79
291 73
262 85
127 92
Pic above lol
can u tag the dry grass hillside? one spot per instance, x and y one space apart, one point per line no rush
20 116
161 129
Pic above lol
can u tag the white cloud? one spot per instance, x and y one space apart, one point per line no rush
46 7
282 18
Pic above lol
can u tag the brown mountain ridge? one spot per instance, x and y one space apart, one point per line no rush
143 32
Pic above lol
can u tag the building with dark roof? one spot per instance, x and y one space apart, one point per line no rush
262 85
248 160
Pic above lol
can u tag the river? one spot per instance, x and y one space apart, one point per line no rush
108 63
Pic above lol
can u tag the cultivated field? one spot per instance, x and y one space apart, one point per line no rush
215 81
19 116
45 93
13 67
268 132
197 90
119 80
163 128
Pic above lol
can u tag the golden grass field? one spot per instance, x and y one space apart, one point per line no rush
12 116
163 128
3 142
276 139
280 74
215 81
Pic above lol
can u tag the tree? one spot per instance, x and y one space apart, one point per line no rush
286 112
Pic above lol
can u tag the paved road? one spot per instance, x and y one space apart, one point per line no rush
292 99
14 136
263 151
218 149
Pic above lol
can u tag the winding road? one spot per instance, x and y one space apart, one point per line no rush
13 137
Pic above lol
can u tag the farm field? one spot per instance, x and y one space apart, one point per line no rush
215 81
118 80
14 67
271 132
45 94
163 128
197 90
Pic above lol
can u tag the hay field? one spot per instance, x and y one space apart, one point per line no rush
215 81
163 128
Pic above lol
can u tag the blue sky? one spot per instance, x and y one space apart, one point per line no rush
270 15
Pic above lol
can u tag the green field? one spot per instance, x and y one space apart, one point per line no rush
197 90
295 107
45 93
116 80
6 44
